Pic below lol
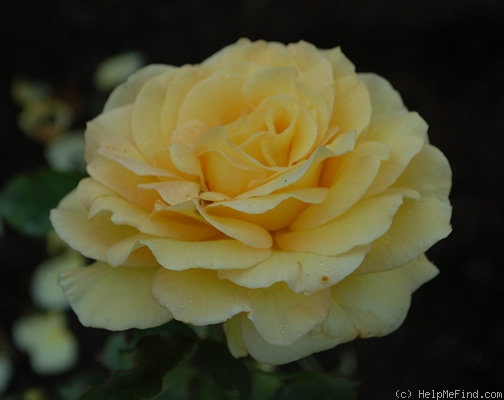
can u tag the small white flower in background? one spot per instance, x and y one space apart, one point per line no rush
45 291
24 91
116 69
52 348
5 371
46 119
66 152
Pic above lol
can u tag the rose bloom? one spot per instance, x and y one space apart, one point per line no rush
270 188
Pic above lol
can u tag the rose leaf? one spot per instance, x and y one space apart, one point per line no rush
154 357
316 385
27 198
230 373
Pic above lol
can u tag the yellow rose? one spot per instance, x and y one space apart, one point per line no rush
270 187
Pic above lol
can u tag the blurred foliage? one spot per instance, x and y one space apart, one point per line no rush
172 363
27 198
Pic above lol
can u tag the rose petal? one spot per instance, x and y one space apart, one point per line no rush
109 127
352 178
188 132
428 172
93 238
216 100
96 199
200 298
147 131
244 51
360 225
376 304
182 83
385 100
113 298
217 140
304 174
405 134
128 157
234 336
341 65
185 160
227 169
175 191
269 82
281 316
243 338
352 106
304 138
271 212
416 227
248 233
180 255
124 213
197 296
342 143
126 93
260 205
365 306
122 181
315 71
302 272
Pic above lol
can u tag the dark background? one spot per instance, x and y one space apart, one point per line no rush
446 58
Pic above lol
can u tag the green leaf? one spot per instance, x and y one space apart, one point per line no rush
177 383
117 353
155 355
316 385
27 198
230 373
209 389
74 387
265 385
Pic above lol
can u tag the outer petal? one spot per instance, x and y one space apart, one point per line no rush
209 254
243 338
417 226
341 65
302 272
92 238
361 225
121 180
405 134
352 107
103 203
127 92
385 100
280 315
377 304
113 298
428 172
147 131
261 52
315 70
365 306
202 103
